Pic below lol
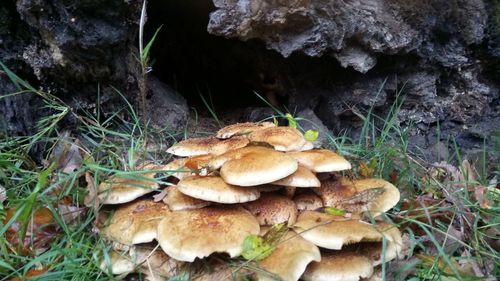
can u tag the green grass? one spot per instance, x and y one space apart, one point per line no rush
116 144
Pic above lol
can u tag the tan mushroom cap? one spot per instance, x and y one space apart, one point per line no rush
331 232
308 201
271 209
307 146
321 160
281 138
290 258
217 162
334 192
208 145
388 199
178 201
120 263
259 167
154 261
374 250
182 167
339 266
119 190
190 234
135 222
242 129
303 177
214 189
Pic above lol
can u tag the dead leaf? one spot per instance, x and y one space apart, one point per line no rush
446 268
366 171
91 199
159 196
394 176
31 273
41 231
481 197
70 213
67 154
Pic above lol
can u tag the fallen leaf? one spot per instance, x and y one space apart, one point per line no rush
480 194
31 273
159 196
91 199
255 248
311 135
70 213
67 154
365 170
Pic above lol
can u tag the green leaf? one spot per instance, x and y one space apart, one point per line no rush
291 121
181 277
311 135
334 211
255 248
275 122
145 53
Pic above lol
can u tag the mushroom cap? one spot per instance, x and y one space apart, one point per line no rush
259 167
182 167
135 222
242 129
271 209
208 145
308 201
214 189
217 162
120 263
321 160
333 192
307 146
281 138
290 258
186 235
303 177
339 266
374 250
119 190
331 232
382 203
178 201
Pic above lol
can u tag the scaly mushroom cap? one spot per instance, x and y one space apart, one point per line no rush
135 222
242 129
339 266
208 145
300 178
334 192
258 167
120 263
119 190
332 232
214 189
290 258
308 201
321 160
190 234
178 201
271 209
382 203
181 167
281 138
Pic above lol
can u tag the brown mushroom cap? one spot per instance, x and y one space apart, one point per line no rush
307 146
217 162
120 263
118 190
208 145
190 234
271 209
321 160
178 201
332 232
290 258
333 192
374 250
214 189
339 266
135 222
300 178
258 167
181 167
388 199
281 138
308 201
242 129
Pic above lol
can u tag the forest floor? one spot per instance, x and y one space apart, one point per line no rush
449 212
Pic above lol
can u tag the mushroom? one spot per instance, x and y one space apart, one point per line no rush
339 266
118 189
242 129
302 177
308 201
290 258
186 235
214 189
256 167
182 167
209 145
135 222
119 263
321 160
271 209
332 232
281 138
178 201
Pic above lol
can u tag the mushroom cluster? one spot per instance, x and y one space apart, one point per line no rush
243 181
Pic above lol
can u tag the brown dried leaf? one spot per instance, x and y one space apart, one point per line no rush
481 197
70 213
159 196
67 154
91 199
